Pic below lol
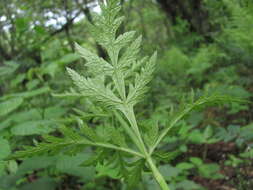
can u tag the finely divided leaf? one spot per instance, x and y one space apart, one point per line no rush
130 55
87 131
135 173
124 39
151 134
139 88
117 137
94 89
95 64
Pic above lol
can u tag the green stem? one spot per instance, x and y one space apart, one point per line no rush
110 146
129 113
159 178
172 124
129 131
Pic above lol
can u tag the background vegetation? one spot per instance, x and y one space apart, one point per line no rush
205 45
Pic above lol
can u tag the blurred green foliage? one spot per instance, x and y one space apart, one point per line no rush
209 51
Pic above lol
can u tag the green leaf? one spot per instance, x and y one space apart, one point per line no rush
19 79
106 24
208 132
10 105
204 101
2 167
40 184
247 154
94 89
106 170
34 128
32 84
12 166
68 58
71 143
71 165
5 149
5 124
124 39
95 64
9 68
44 148
33 114
169 172
196 161
167 156
130 55
54 112
87 131
35 163
28 94
152 133
92 160
139 88
196 136
89 115
188 185
117 137
210 171
135 173
151 183
185 166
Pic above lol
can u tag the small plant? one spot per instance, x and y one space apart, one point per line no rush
118 85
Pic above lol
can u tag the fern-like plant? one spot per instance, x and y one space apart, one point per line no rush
118 84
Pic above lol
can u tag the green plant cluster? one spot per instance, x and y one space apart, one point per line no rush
178 119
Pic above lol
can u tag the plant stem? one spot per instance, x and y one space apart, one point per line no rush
159 178
171 125
129 131
129 113
110 146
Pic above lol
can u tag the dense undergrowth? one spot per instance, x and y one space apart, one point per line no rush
208 149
